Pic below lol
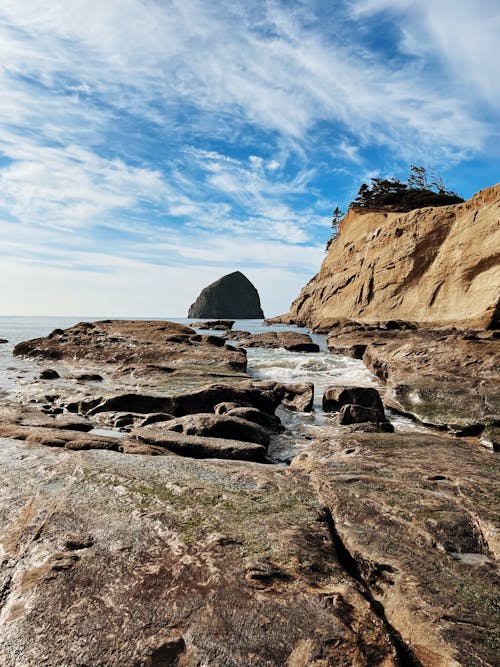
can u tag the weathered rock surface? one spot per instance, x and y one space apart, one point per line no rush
290 340
205 446
435 266
335 397
119 561
218 426
232 296
415 518
370 549
156 349
447 379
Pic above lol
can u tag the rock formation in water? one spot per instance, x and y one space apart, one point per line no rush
437 266
232 296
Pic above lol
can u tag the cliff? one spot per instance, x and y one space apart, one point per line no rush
436 266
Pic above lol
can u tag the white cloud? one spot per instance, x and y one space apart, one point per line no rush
111 112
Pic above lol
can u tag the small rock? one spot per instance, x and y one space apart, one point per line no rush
355 414
214 325
298 397
49 374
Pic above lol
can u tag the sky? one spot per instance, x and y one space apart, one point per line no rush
148 147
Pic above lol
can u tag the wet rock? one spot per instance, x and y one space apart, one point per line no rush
440 377
298 397
219 426
232 296
267 421
155 418
149 349
335 397
226 406
372 427
52 437
356 414
202 400
49 374
197 446
89 377
223 325
222 563
72 423
3 340
289 340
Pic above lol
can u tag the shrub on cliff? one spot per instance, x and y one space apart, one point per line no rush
420 190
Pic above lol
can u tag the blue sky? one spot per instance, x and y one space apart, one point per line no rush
147 147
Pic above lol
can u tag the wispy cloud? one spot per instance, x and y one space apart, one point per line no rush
220 132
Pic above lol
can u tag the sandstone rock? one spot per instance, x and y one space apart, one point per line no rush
427 555
355 414
152 350
197 446
434 266
335 397
202 400
298 397
371 427
271 422
222 563
232 296
155 418
219 426
444 378
59 437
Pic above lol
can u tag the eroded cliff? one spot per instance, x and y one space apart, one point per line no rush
437 266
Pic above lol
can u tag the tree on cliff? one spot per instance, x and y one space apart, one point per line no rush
393 195
337 216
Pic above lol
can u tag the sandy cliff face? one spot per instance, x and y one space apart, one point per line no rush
435 266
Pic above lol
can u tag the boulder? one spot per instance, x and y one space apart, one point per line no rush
232 296
335 397
357 414
200 447
218 426
298 397
202 400
226 406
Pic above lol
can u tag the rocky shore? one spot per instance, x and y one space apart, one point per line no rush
143 521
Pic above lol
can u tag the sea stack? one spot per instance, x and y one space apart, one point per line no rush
232 296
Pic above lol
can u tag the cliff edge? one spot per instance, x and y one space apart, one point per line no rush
435 266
